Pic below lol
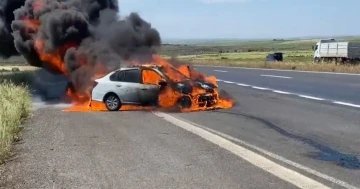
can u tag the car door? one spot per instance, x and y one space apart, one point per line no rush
127 85
149 89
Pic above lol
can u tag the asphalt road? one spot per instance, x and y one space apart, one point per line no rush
335 87
268 140
322 137
123 150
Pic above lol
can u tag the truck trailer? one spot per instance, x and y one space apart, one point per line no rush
329 50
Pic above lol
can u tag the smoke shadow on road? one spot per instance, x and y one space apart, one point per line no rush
325 153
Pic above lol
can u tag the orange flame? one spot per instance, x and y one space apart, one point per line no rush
168 97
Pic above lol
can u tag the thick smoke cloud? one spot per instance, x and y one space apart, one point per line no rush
82 36
7 8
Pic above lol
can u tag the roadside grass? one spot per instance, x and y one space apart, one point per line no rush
15 106
274 45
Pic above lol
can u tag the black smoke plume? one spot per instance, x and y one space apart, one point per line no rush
86 35
7 8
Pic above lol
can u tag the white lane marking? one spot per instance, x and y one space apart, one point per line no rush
260 88
279 70
281 92
311 97
257 160
220 71
299 95
241 84
276 76
277 157
347 104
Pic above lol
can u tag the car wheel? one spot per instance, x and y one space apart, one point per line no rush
112 102
184 102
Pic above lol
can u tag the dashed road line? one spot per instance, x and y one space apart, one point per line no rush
260 88
289 93
281 92
276 76
241 84
311 97
220 71
347 104
280 70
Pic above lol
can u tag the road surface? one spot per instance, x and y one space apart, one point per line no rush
343 88
124 150
268 140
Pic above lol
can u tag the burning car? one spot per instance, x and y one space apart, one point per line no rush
85 40
163 86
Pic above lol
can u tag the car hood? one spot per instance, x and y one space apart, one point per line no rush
188 85
205 85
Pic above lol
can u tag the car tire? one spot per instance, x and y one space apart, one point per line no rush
112 102
184 102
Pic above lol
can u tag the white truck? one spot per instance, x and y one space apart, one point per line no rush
329 50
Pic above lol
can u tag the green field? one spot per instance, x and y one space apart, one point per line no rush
298 54
273 45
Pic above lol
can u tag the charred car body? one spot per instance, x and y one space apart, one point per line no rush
129 86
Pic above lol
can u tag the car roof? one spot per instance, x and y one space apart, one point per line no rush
145 66
139 67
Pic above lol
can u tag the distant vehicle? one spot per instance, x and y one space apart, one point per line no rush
127 86
329 50
278 56
15 69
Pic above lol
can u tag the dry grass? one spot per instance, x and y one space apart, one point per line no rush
15 103
303 66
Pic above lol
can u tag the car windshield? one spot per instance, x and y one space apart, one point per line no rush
173 74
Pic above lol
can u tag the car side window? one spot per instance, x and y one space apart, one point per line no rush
117 76
114 76
131 76
120 76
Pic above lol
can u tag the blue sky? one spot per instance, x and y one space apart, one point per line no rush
194 19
